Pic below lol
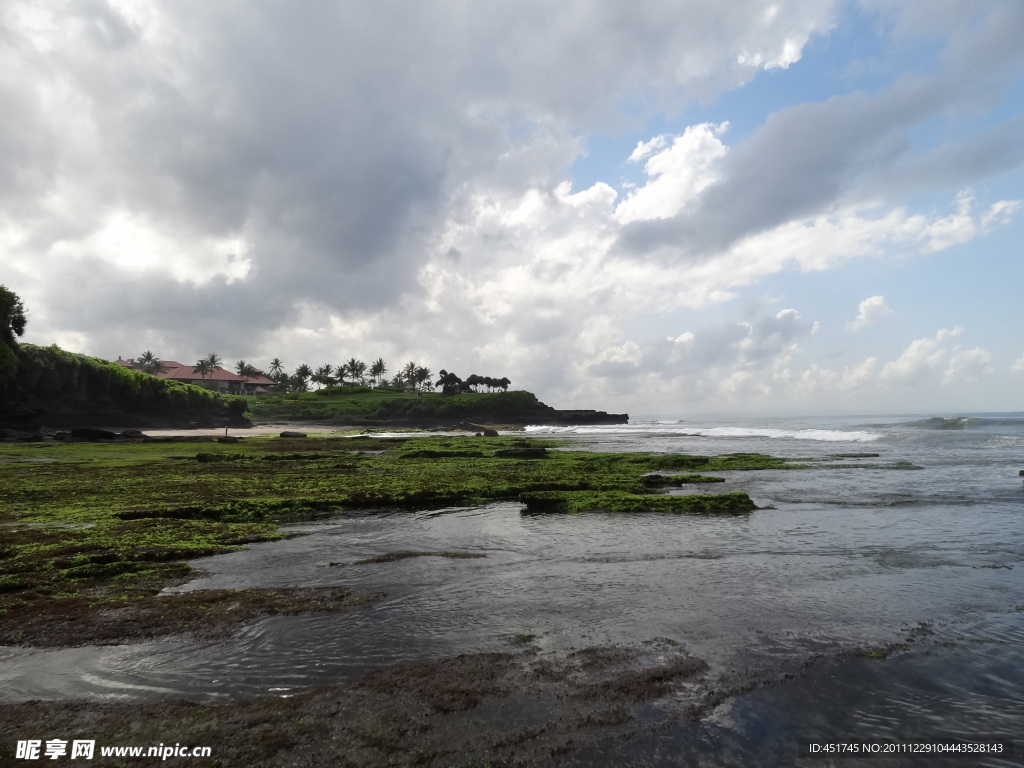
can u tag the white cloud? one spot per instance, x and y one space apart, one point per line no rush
325 180
678 174
1000 213
645 148
920 358
951 230
967 366
859 375
1018 365
869 311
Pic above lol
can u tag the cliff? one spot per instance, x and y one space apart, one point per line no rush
63 390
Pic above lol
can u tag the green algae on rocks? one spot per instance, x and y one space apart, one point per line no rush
117 522
736 503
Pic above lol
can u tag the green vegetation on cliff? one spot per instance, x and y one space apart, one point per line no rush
361 405
65 388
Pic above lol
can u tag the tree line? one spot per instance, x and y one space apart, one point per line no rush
13 320
352 372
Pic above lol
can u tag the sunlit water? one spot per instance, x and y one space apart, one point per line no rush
836 559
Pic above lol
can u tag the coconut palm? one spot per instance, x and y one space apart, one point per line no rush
356 370
322 376
149 363
276 368
422 376
409 373
302 376
378 369
203 368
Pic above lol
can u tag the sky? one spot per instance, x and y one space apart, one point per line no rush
664 209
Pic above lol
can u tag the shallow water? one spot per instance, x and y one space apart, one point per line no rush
836 559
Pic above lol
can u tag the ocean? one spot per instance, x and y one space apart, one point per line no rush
877 595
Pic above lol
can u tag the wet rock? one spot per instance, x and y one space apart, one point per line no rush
134 434
288 433
93 435
229 439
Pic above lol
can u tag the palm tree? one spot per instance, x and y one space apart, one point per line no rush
276 367
356 369
203 368
302 375
422 375
149 363
323 375
214 360
409 373
378 369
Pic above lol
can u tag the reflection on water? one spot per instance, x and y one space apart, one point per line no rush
837 558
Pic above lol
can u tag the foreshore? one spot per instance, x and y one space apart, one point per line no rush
97 531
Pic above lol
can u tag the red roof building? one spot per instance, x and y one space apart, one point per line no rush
218 378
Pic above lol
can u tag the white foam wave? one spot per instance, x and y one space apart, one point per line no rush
661 428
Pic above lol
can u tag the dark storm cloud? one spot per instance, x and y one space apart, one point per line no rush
810 157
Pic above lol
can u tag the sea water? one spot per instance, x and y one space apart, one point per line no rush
863 555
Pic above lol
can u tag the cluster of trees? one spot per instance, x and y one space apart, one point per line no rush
12 325
147 362
354 371
452 385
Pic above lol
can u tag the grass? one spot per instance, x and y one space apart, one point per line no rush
362 405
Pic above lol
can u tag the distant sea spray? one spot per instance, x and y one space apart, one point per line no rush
682 430
964 422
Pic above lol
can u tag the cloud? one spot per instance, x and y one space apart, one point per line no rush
967 366
869 311
919 359
312 155
679 173
811 158
859 375
1018 365
325 180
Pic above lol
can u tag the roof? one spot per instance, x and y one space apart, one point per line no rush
182 372
176 370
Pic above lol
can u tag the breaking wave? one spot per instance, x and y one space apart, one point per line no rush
963 422
667 428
